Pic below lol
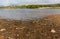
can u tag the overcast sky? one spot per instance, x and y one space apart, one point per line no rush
22 2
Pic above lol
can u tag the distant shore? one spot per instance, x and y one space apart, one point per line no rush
34 6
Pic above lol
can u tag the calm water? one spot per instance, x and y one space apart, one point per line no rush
26 13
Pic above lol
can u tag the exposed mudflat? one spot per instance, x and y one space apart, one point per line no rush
42 28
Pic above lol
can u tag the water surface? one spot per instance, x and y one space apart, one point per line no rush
19 14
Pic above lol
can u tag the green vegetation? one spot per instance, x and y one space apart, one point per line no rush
36 6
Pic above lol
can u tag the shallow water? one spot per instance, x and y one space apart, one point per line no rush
19 14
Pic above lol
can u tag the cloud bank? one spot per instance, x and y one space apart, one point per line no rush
21 2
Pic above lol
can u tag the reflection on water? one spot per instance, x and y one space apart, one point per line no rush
27 13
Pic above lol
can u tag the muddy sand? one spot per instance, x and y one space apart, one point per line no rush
44 28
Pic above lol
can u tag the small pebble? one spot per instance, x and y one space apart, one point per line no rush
2 29
53 31
10 38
